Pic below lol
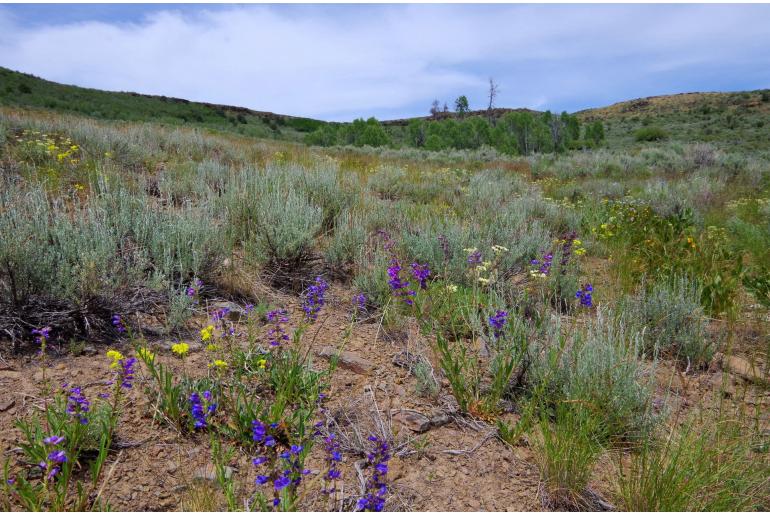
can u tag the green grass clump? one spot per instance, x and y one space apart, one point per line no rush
567 448
701 467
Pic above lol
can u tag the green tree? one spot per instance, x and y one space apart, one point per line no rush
416 130
461 106
594 133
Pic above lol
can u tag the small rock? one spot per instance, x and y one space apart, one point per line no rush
234 311
440 419
171 467
348 360
89 350
742 368
395 468
413 420
35 473
7 404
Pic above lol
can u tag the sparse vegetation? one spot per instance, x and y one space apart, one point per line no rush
546 279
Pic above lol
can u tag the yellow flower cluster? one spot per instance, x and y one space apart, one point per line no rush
146 354
181 349
115 356
218 364
207 332
62 148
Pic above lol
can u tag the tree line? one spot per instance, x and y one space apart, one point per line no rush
513 133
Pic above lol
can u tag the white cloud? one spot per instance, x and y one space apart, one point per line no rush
339 62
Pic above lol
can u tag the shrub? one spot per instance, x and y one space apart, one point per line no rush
671 319
348 238
650 133
599 366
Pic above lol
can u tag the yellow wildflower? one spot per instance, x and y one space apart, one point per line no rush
207 332
180 349
262 363
580 252
115 356
146 354
211 347
483 280
219 364
451 288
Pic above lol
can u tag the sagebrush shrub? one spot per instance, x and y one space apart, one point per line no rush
671 319
600 366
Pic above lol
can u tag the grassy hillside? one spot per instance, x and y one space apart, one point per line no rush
727 120
24 90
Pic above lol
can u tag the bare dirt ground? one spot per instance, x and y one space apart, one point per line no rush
455 465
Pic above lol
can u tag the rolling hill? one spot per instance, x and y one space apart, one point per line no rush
729 120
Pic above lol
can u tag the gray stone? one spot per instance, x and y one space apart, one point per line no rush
235 312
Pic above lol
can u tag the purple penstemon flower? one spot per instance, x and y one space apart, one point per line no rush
277 334
333 459
42 334
376 485
314 299
220 314
359 304
474 258
282 482
202 408
53 440
54 460
78 405
399 287
584 295
497 322
421 273
126 372
117 323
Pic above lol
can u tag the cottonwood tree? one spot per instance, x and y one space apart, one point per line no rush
461 106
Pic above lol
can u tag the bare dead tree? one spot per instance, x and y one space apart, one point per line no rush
434 108
492 97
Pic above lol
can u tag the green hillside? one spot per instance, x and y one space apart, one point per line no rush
24 90
739 120
729 121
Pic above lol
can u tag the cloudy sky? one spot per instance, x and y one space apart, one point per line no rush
344 61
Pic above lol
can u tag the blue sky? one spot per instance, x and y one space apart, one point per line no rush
338 62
